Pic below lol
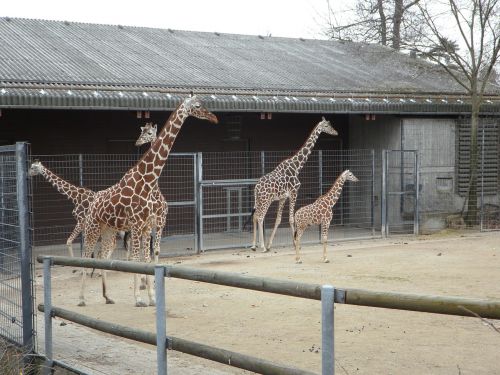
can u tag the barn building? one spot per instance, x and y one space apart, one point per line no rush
74 89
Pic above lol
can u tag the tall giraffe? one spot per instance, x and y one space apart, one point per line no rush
283 183
80 196
320 212
128 205
160 207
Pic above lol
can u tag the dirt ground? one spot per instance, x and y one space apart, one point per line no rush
287 329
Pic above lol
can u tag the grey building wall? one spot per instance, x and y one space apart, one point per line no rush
435 140
384 132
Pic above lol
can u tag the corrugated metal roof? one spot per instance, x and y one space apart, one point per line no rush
62 64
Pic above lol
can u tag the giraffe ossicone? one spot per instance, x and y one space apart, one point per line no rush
283 183
320 212
129 205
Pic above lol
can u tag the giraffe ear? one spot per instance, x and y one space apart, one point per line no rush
154 126
323 118
191 94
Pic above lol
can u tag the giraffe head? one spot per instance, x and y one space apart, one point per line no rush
148 134
324 126
36 168
348 176
194 107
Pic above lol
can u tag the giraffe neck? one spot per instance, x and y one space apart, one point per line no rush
69 190
152 162
299 159
333 195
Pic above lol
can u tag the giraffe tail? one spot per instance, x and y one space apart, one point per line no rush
249 218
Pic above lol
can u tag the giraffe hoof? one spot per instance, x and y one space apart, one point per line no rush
265 250
81 304
152 303
109 302
298 262
140 304
326 261
253 248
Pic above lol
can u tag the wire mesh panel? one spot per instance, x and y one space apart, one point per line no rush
16 287
227 195
53 211
401 195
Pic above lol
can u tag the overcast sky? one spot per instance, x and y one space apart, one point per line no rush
288 18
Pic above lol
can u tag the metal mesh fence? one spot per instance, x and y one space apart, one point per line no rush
227 195
53 213
16 288
224 187
401 169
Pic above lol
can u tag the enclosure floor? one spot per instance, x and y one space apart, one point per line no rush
287 330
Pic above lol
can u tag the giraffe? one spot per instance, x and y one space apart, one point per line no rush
320 212
128 205
160 207
80 196
283 183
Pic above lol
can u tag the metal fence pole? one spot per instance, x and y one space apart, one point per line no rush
161 320
80 173
416 225
25 244
195 199
481 212
383 196
327 330
320 181
199 201
47 300
372 212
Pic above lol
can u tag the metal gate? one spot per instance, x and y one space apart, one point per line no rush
399 192
16 276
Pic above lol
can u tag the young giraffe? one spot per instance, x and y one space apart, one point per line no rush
81 198
319 212
283 183
128 205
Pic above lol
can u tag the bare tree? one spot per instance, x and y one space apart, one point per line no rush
378 21
476 25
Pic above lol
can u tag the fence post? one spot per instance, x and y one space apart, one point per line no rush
372 212
383 196
320 181
47 301
161 320
481 212
416 225
25 244
199 202
327 330
80 174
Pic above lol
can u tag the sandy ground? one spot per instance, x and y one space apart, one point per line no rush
287 329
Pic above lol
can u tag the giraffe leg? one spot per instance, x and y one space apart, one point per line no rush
136 236
254 221
69 242
291 211
147 243
91 237
276 224
147 258
324 238
108 242
260 222
296 241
